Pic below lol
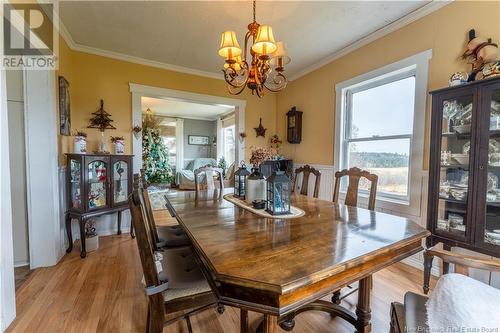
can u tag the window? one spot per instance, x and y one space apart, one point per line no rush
228 136
381 122
168 135
379 128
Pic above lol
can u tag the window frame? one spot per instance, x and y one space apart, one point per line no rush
417 66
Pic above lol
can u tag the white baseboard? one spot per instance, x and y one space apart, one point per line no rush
21 263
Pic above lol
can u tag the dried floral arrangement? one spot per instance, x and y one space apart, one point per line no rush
261 154
275 141
80 133
114 139
90 229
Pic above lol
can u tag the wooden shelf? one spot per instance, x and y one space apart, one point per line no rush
460 136
456 166
463 202
495 134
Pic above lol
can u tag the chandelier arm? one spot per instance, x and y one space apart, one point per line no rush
280 81
231 75
236 92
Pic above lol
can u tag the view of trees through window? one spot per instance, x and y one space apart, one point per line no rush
378 133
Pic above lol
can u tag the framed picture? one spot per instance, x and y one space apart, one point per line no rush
200 140
64 110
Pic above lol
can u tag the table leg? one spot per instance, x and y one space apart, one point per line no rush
446 265
363 311
243 321
83 252
270 323
69 233
119 222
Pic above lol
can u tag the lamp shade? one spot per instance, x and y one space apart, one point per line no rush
229 47
280 56
264 42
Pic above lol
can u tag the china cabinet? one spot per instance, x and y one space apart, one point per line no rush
96 185
464 173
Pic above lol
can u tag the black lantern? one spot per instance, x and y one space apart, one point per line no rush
240 177
294 125
279 188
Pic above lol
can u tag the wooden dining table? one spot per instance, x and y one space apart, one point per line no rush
281 267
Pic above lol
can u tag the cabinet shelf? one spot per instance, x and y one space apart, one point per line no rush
460 136
453 200
456 166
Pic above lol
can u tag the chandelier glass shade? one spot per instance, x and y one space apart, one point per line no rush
257 66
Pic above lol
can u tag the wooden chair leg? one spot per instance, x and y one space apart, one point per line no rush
427 271
243 321
188 322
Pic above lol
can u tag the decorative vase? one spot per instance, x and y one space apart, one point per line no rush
255 186
103 148
80 146
119 147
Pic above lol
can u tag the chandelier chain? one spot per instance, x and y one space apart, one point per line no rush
254 1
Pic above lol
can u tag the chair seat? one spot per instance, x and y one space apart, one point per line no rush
173 236
183 274
415 312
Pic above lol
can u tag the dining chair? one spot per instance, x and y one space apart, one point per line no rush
351 199
209 172
306 171
412 316
355 175
175 284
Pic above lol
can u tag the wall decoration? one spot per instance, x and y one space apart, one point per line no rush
137 129
260 131
102 121
242 137
64 107
199 140
294 126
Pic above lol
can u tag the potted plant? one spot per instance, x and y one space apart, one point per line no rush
119 143
80 144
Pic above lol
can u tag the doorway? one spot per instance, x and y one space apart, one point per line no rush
235 108
181 136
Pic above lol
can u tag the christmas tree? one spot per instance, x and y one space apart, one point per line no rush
155 157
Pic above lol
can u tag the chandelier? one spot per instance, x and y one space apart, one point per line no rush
265 66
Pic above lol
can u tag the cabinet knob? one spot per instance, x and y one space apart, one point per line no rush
481 167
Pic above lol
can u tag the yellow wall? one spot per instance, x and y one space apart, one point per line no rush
443 31
93 77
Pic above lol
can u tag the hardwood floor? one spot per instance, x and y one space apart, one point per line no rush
103 293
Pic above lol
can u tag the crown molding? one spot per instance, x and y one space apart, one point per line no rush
391 27
133 59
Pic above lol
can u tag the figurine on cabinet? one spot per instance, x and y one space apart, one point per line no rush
482 55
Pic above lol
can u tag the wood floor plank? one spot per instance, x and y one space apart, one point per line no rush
104 293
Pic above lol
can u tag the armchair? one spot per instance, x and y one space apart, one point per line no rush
451 291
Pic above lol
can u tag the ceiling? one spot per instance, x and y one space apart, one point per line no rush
186 33
181 109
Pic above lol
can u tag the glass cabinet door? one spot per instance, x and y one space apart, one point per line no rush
489 212
120 181
97 184
454 171
75 183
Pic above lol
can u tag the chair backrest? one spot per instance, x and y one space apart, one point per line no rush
146 251
143 197
351 197
209 172
306 171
